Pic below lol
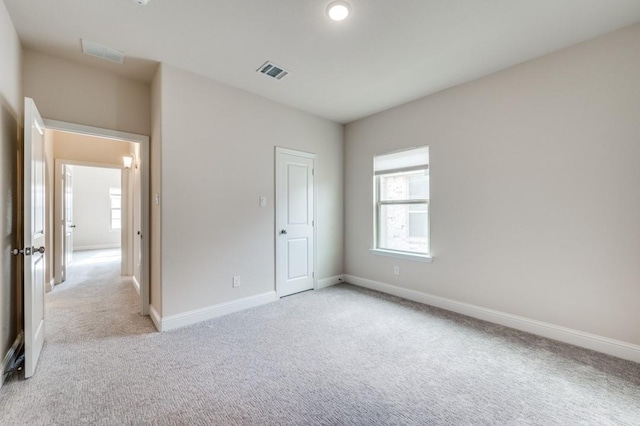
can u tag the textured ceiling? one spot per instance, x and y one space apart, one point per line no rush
385 54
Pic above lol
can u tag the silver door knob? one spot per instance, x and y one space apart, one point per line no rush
283 232
37 250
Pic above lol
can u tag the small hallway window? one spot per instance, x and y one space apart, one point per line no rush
116 208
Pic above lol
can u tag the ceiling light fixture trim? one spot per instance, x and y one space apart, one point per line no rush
338 10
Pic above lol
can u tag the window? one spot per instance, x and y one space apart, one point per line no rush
401 190
116 208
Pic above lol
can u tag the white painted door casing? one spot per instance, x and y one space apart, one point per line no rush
34 236
67 211
295 220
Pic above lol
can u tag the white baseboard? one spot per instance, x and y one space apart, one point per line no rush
155 317
9 355
594 342
198 315
96 247
135 283
328 282
49 286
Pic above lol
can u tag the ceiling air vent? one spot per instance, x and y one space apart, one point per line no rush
272 70
101 51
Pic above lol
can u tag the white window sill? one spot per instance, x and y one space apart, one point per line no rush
401 255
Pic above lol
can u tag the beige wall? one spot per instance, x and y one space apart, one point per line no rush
11 105
217 160
74 93
534 183
78 147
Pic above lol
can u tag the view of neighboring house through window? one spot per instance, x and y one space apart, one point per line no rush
116 208
402 201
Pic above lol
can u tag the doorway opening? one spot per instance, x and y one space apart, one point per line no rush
91 215
97 192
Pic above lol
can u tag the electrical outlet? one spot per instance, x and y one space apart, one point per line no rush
263 201
396 270
236 281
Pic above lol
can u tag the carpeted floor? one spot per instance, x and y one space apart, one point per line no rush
338 356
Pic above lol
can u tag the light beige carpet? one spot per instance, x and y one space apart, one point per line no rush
339 356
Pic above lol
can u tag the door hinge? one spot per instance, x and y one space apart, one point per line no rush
313 274
313 172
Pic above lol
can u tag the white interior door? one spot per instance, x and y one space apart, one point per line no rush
294 222
67 212
34 236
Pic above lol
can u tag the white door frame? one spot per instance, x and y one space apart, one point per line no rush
144 162
289 151
58 236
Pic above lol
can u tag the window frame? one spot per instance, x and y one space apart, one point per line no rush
377 213
112 196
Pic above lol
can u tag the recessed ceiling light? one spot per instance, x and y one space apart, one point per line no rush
338 10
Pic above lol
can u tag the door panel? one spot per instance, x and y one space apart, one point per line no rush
34 236
294 222
297 250
297 202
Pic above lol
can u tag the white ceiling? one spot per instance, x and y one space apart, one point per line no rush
386 53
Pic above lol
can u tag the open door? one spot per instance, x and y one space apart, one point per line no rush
67 211
34 235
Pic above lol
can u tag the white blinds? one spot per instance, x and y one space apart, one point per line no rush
410 159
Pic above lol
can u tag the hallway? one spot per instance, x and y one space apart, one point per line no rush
92 312
94 302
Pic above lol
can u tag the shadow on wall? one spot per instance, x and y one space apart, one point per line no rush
10 165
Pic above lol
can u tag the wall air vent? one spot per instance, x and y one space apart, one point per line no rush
101 51
272 70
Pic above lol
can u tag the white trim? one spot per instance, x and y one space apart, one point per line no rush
10 354
282 150
95 247
594 342
49 286
135 283
401 255
203 314
155 317
62 161
94 131
328 282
